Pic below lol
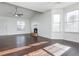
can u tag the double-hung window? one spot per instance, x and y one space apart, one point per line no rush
20 25
56 23
72 21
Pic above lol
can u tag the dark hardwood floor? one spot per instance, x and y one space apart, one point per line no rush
19 45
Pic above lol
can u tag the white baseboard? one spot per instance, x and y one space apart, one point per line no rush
12 34
51 37
77 41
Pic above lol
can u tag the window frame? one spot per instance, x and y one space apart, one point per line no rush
74 21
53 23
20 25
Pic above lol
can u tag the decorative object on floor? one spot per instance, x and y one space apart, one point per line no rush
34 36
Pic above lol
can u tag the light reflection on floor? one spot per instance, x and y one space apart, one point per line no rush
20 41
20 48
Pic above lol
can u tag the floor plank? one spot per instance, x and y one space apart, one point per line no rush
19 45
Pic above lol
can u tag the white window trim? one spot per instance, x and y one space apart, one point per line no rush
71 22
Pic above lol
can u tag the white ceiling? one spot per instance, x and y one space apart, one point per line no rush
7 10
42 6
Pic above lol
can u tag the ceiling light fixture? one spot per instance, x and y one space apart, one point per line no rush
18 14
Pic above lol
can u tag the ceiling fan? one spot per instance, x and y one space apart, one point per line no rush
18 14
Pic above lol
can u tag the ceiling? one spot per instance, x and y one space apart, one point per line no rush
42 6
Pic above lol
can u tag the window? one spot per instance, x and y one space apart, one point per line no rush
72 21
56 23
20 25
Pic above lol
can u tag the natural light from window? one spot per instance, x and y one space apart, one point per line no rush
20 25
56 23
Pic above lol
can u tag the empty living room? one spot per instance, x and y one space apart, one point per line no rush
39 28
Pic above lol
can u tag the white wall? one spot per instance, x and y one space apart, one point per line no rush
71 36
8 26
45 24
8 22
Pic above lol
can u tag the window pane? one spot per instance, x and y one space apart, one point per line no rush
72 16
69 27
72 21
56 18
20 25
55 28
76 15
76 26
